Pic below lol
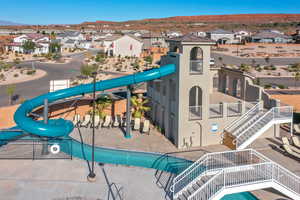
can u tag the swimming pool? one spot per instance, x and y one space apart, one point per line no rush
240 196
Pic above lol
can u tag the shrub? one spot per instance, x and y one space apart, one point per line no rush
268 86
31 72
16 75
281 86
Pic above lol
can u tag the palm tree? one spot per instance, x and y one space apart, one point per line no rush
297 78
101 104
220 60
267 59
139 107
10 90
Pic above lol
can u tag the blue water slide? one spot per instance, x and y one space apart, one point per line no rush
62 128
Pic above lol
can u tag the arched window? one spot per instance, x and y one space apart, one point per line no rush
196 61
236 88
195 103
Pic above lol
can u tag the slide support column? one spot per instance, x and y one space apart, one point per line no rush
128 113
45 116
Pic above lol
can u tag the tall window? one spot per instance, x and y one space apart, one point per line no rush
196 61
195 103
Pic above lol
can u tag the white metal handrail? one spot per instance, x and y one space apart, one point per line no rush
272 114
245 175
236 123
213 162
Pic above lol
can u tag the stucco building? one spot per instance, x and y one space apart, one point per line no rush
193 106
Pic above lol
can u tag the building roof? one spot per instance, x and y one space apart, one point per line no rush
268 34
69 41
69 34
220 31
191 38
152 35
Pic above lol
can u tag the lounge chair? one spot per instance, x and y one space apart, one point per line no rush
289 151
117 121
136 124
146 127
107 121
296 128
286 142
76 120
97 121
86 121
296 141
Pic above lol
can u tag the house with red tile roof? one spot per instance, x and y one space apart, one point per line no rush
41 43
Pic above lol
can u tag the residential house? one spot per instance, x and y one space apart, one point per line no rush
153 39
71 39
296 36
222 36
199 33
271 37
173 34
241 35
41 43
125 45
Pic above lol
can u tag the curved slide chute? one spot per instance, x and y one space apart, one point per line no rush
61 128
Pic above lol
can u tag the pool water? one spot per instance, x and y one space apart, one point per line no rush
240 196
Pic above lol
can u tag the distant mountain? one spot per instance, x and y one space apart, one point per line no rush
8 23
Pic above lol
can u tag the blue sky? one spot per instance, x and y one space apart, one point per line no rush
77 11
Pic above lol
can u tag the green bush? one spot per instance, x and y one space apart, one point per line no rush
268 86
281 86
31 72
16 75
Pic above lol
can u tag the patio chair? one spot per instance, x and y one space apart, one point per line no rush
296 141
296 128
76 120
289 151
117 121
86 121
285 141
97 121
146 127
136 124
107 121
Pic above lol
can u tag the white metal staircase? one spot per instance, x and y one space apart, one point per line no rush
255 122
217 174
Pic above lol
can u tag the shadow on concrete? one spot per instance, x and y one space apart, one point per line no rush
114 192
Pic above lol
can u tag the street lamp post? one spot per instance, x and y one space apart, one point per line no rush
92 176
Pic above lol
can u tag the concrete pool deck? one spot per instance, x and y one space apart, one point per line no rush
66 179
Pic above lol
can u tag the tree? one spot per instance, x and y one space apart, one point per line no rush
139 107
267 59
149 59
54 47
87 70
101 104
297 77
10 90
28 46
220 60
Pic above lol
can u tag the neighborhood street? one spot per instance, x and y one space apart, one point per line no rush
30 89
232 60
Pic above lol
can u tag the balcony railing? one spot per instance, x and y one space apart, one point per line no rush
195 112
216 110
234 109
196 67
